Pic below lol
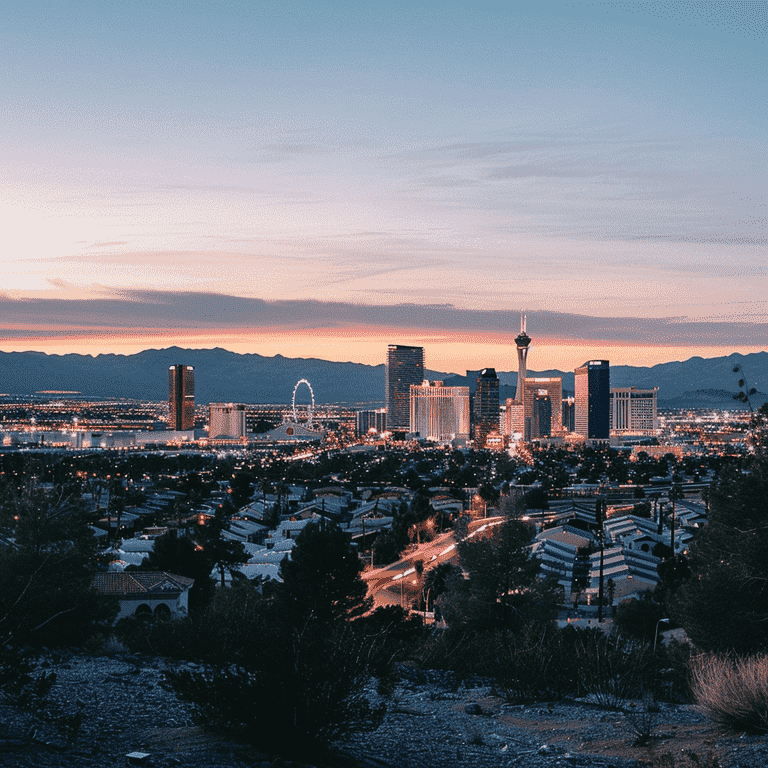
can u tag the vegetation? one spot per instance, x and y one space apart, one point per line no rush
638 619
292 663
733 691
47 564
723 606
292 666
321 579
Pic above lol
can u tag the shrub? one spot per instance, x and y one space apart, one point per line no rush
638 619
308 690
733 691
642 721
612 671
538 665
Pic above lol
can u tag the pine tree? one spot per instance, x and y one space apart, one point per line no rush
321 580
724 605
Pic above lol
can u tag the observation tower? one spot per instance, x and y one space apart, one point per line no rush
522 340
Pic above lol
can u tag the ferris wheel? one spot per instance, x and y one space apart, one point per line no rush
310 407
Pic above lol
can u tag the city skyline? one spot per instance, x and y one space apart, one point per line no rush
321 180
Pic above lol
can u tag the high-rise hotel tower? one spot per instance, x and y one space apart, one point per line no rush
486 405
405 366
181 398
593 400
439 413
226 420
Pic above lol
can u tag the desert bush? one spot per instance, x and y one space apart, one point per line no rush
611 670
733 691
538 666
20 684
638 619
464 652
672 681
287 667
308 689
642 720
532 665
225 629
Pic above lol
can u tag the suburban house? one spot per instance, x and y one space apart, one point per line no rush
151 594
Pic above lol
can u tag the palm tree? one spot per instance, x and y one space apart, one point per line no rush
436 582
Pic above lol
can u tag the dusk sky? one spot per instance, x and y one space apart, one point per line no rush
323 179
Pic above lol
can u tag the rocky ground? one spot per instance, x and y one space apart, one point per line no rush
125 710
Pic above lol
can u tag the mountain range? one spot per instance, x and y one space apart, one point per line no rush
224 376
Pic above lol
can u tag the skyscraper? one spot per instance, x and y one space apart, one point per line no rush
226 420
439 413
634 410
368 420
181 397
593 404
486 405
405 366
542 407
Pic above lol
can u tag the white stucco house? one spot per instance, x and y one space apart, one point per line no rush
152 594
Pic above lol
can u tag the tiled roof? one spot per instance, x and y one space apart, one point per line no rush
140 583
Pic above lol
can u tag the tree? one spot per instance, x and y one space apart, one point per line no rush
436 582
642 509
723 606
489 494
296 679
181 555
535 499
503 588
321 579
46 571
241 488
224 554
637 619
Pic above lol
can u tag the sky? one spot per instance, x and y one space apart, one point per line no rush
321 179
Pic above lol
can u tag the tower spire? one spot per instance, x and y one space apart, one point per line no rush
522 341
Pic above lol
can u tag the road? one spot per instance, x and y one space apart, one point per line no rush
398 583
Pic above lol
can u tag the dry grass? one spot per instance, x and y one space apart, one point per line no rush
734 692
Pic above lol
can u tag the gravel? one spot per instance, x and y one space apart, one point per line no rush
429 723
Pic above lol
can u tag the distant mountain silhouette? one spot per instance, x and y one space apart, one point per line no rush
223 376
718 399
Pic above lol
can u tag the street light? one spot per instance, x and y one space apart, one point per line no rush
656 633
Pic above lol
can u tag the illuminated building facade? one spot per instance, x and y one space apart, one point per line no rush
375 420
405 368
569 411
634 410
514 421
439 413
226 420
592 407
181 398
542 407
486 406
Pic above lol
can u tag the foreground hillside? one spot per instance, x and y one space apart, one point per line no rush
429 723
